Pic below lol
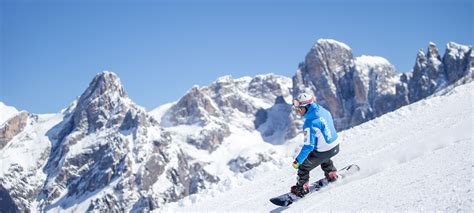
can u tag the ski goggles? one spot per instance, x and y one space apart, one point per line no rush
297 106
303 104
299 109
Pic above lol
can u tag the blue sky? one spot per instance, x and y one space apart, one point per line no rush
51 50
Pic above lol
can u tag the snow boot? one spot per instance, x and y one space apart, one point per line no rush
331 176
300 190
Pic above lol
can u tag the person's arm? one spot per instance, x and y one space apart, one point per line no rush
308 147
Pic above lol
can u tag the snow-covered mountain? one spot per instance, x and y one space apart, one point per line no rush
106 153
245 103
358 89
233 124
432 73
417 158
101 153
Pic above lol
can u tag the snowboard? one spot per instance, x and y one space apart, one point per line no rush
289 198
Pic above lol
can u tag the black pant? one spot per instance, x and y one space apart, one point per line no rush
315 159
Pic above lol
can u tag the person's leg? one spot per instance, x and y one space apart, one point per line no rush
311 162
328 166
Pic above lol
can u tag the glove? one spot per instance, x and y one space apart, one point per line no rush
295 164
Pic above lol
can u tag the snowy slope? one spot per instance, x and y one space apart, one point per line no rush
23 158
6 112
416 158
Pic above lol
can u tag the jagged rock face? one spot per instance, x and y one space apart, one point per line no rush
104 98
214 107
12 127
22 179
359 89
458 61
327 72
102 109
431 73
374 81
189 174
23 143
194 107
209 138
224 97
354 90
23 158
428 74
243 164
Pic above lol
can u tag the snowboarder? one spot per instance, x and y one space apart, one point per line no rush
320 143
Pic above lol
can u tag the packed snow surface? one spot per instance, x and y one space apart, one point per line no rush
416 158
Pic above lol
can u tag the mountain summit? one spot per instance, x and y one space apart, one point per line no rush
104 83
103 104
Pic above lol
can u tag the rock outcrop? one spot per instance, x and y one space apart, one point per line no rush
359 89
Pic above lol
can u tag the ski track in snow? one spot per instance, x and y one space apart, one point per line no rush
417 158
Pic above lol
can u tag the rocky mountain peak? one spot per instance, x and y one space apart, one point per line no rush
332 56
194 107
104 83
332 44
106 140
212 108
456 50
327 72
226 79
219 100
104 103
420 55
433 51
457 60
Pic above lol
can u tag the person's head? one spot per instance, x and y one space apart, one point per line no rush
302 102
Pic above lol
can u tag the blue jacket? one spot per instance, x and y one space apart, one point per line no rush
319 132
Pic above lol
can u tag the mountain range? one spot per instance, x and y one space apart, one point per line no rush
106 153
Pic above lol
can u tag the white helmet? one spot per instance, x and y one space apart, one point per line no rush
303 100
